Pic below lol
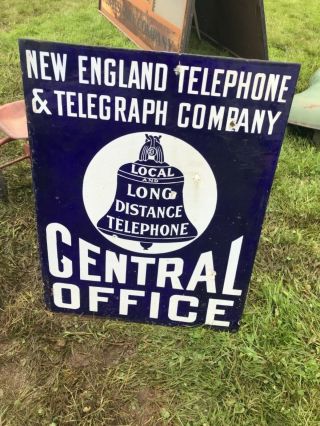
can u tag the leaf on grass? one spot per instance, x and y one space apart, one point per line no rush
165 414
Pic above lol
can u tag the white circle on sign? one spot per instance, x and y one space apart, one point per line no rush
199 189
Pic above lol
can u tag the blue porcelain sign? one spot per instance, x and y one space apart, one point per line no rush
152 173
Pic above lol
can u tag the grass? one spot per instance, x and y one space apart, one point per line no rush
64 370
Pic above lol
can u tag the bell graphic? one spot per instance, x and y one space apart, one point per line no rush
148 206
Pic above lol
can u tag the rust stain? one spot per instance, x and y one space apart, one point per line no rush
312 106
137 19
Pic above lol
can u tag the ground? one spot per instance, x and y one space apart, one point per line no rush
65 370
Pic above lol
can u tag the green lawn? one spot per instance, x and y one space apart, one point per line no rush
64 370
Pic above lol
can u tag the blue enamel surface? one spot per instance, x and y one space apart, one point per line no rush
243 165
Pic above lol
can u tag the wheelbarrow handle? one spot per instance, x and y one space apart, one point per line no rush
5 140
16 160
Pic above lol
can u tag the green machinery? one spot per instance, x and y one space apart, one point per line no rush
305 110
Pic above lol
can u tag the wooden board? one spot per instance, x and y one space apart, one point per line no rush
237 25
152 24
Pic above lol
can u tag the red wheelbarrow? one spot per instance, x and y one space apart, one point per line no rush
13 123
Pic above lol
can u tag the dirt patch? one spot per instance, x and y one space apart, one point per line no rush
7 348
104 356
4 348
13 379
13 374
78 360
149 409
145 409
145 396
